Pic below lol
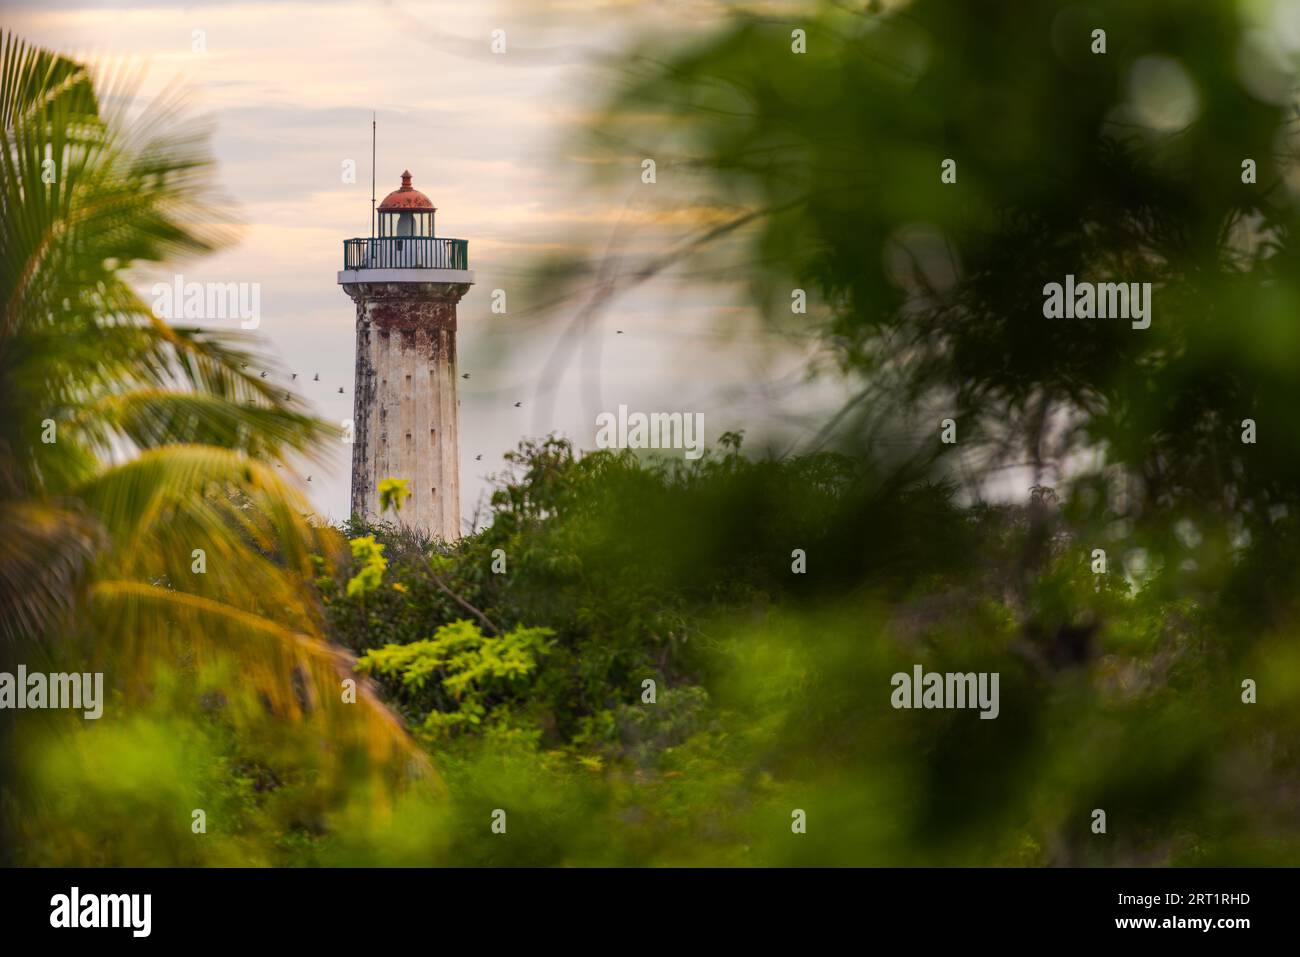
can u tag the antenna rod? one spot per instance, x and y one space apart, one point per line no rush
372 175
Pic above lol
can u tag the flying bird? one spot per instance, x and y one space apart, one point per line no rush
263 375
295 375
316 377
340 390
479 457
465 375
518 405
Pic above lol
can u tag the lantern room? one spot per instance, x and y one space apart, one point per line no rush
406 212
404 239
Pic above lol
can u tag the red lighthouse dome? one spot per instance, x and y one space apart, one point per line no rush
406 198
406 212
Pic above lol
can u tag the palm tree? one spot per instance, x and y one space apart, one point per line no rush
127 442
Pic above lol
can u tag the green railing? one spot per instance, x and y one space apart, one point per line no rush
406 252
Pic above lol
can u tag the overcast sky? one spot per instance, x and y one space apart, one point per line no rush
494 141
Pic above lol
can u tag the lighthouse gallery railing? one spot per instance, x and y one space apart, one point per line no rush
406 252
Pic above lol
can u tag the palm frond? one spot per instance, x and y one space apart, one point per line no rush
129 445
48 550
297 676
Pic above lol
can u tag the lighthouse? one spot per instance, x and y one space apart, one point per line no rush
406 282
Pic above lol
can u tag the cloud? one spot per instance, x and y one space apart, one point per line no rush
493 140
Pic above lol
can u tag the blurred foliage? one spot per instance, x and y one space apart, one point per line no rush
772 688
393 493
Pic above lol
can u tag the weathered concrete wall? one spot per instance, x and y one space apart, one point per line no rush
405 410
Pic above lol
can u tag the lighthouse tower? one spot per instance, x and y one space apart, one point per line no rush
406 283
